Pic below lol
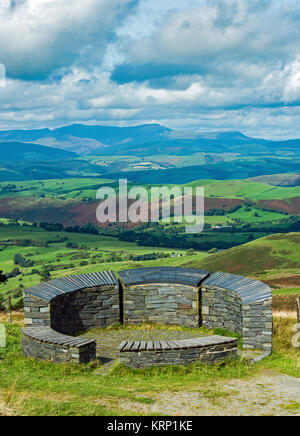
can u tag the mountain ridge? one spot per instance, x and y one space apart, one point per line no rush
146 139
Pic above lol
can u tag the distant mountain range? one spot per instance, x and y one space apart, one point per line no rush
149 139
68 152
18 151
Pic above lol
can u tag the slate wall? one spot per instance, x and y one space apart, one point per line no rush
258 325
221 308
171 296
87 309
253 321
76 311
170 304
36 311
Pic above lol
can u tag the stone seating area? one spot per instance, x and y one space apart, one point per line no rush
208 349
47 344
172 296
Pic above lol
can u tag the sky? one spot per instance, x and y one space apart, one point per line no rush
195 65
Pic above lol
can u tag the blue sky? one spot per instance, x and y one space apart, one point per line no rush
198 65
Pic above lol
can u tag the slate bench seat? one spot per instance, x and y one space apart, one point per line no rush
207 349
165 295
45 343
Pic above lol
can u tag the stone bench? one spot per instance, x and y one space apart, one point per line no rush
74 304
166 295
191 298
207 349
46 344
68 306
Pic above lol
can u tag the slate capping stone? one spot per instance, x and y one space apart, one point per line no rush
183 276
49 336
49 290
250 290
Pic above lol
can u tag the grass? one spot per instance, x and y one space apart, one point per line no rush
276 254
87 187
66 389
63 188
246 189
100 253
286 291
28 387
247 216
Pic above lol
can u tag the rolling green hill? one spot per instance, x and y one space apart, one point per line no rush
292 179
89 253
87 187
276 254
16 151
246 189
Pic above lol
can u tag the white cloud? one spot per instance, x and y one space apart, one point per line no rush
237 64
240 29
38 36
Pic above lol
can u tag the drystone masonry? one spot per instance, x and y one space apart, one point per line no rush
241 305
174 296
209 349
74 304
221 308
162 296
90 308
46 344
162 304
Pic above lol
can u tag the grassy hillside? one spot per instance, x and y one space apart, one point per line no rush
246 189
72 187
292 179
87 187
90 253
54 188
276 254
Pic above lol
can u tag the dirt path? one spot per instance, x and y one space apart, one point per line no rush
267 394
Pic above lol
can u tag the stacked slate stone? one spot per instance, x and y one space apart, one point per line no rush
241 305
162 295
46 344
74 303
175 296
210 349
68 306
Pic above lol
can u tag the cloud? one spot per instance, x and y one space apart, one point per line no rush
198 64
224 39
40 36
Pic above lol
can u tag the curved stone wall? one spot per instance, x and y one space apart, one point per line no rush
74 304
175 296
241 305
46 344
208 349
163 295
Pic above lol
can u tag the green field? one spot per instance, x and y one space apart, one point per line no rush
252 216
245 189
261 258
87 187
94 253
287 291
65 188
